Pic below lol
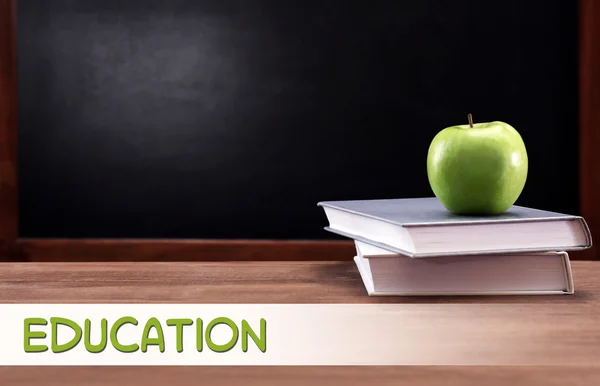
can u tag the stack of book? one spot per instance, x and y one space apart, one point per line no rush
417 247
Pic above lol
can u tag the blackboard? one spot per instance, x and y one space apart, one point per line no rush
231 119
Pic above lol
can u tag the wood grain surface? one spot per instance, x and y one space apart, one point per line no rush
302 376
243 282
574 319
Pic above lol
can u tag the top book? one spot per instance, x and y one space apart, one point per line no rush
423 227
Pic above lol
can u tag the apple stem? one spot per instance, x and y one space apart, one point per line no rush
470 120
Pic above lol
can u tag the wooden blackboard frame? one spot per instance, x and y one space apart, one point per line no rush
14 248
589 118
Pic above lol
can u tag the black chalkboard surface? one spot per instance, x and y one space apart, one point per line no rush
232 119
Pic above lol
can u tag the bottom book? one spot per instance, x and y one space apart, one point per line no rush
385 273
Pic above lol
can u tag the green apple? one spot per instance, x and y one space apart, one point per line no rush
477 169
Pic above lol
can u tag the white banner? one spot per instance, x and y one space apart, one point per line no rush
272 334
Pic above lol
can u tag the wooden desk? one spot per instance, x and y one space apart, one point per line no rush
289 282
